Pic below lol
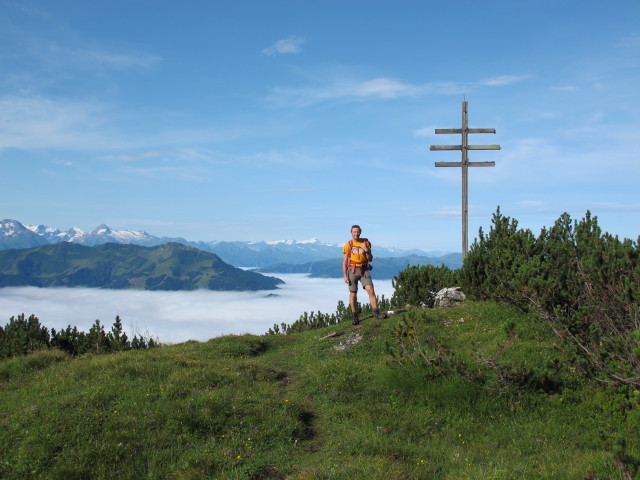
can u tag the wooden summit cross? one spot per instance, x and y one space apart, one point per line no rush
465 147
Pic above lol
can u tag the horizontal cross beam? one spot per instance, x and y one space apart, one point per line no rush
469 130
469 164
468 147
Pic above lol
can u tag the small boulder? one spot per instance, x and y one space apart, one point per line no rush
448 297
352 340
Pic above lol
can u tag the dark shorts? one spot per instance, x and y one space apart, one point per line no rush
359 275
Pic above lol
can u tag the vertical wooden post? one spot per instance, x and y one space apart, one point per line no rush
465 179
464 164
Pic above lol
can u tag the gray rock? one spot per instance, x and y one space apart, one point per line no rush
448 297
352 340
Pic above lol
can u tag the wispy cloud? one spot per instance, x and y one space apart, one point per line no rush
383 88
573 160
503 80
630 41
48 44
292 190
613 207
576 208
127 158
302 158
34 122
190 164
291 44
38 122
96 58
565 88
379 88
424 132
531 203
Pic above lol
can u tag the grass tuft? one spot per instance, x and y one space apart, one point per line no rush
477 391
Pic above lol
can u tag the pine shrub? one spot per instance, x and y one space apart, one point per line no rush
585 283
418 284
23 336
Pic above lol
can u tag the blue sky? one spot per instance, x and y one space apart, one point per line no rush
269 120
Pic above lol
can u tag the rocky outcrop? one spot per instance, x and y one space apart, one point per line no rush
448 297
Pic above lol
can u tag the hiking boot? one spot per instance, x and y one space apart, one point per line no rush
378 315
355 320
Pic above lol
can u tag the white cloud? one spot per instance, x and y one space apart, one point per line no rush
424 132
301 158
613 207
446 211
291 44
382 88
348 89
630 41
503 80
179 316
82 57
37 122
531 203
133 157
566 88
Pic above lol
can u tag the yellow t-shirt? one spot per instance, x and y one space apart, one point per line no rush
357 255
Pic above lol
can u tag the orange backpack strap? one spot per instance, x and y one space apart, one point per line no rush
352 264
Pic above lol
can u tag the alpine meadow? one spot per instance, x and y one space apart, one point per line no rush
535 375
227 250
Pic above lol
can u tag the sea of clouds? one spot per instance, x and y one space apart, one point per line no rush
173 317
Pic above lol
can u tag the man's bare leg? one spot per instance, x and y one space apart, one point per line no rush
373 301
353 301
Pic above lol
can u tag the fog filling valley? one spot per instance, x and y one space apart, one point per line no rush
173 317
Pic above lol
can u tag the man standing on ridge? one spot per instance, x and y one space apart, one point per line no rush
355 267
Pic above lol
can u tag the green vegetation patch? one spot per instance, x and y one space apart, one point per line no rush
478 391
170 266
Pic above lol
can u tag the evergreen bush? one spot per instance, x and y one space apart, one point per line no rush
418 284
585 283
23 336
314 320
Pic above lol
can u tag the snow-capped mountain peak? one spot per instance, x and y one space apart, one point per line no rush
8 228
104 234
42 234
42 229
310 242
14 234
101 230
74 234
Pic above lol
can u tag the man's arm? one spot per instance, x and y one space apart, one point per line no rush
366 246
345 265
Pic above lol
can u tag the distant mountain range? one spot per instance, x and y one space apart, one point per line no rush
14 234
171 266
383 268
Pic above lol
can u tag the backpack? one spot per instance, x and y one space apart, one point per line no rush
352 265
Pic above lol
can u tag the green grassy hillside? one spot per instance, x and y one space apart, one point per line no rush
170 266
481 391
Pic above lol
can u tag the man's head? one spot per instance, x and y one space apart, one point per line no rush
355 232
